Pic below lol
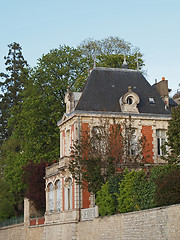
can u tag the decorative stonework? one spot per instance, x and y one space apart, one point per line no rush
129 102
89 213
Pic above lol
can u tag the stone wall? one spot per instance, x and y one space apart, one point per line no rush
12 232
153 224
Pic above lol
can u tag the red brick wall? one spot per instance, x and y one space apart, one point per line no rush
85 198
41 221
148 150
72 134
85 193
32 222
116 144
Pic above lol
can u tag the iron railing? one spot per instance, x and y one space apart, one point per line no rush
11 221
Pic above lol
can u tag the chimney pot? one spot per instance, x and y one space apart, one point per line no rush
163 78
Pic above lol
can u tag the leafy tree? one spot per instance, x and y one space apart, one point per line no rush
109 52
135 192
43 102
11 85
33 177
172 147
105 201
106 197
168 188
12 173
34 119
6 203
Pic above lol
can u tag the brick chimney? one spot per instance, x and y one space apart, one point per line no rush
162 89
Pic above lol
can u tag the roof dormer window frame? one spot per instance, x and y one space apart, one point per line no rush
128 102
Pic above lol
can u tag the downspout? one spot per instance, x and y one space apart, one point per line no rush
79 174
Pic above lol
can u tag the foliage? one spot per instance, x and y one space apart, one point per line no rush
168 188
109 52
144 190
106 197
6 203
135 192
105 201
33 177
12 163
33 101
172 147
11 85
161 170
43 102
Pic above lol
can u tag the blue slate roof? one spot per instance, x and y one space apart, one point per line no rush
105 86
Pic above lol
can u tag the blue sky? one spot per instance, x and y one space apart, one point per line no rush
41 25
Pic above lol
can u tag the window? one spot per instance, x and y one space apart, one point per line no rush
160 134
67 142
131 141
151 100
130 100
99 134
58 195
68 194
50 196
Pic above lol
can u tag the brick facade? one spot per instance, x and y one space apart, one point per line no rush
147 132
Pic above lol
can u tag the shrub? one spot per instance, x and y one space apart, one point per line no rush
106 197
105 201
168 188
135 192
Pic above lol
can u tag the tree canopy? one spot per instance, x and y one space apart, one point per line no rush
172 146
110 52
12 83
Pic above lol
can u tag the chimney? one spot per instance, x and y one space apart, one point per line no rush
162 89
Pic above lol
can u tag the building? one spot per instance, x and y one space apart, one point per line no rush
108 94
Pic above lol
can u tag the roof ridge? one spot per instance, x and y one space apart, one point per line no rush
114 69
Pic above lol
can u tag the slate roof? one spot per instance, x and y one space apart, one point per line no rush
105 86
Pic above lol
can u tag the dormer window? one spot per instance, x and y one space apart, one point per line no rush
129 102
151 100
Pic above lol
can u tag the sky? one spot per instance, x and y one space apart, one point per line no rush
41 25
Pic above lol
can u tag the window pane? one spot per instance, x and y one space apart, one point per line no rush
158 146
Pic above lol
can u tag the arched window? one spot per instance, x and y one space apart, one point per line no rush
51 197
68 194
58 195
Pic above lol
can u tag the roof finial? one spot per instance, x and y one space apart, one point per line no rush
137 60
125 65
94 59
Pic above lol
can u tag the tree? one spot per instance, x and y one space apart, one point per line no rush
6 201
12 174
104 152
106 197
43 102
172 146
11 85
33 177
135 192
110 52
168 188
34 119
